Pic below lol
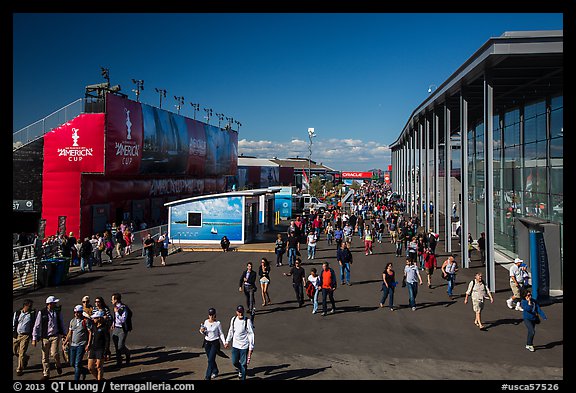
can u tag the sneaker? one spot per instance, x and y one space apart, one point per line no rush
371 252
59 370
413 308
331 311
19 373
323 314
530 348
240 374
45 377
509 304
214 375
518 308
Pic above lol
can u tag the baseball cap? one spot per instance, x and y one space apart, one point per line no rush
78 308
211 311
518 260
240 308
86 298
52 299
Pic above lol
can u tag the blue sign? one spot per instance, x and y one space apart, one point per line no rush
283 202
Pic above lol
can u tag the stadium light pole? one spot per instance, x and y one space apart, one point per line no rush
196 108
139 87
208 114
162 93
180 103
238 125
311 135
220 118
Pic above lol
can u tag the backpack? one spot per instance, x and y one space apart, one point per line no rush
310 290
128 323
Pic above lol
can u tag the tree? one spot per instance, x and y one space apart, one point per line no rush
316 187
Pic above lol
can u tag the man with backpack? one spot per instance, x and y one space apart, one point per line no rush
22 324
121 325
79 337
241 335
49 329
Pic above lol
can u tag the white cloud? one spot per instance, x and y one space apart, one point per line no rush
339 154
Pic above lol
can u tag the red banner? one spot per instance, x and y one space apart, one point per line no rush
356 175
69 150
124 135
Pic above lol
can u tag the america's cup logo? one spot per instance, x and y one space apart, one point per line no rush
75 136
128 125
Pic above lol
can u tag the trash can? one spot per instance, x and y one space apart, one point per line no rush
53 271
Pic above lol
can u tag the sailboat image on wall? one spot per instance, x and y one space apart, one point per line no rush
213 231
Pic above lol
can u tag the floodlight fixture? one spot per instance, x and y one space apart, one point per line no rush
180 103
162 93
196 108
139 87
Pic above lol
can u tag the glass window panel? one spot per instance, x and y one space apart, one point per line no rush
557 180
557 213
512 117
542 180
541 127
530 130
557 123
557 102
512 135
517 185
541 151
537 108
529 154
557 148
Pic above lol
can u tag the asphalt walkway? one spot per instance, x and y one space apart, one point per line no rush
361 341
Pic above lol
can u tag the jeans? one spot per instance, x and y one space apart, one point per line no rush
317 232
279 256
531 326
149 258
85 261
212 348
327 292
387 291
451 279
299 290
239 358
119 339
291 256
315 299
250 302
398 248
360 232
345 270
311 251
76 355
330 238
412 293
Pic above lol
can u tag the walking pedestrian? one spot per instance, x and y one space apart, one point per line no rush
314 279
85 253
413 279
149 245
99 346
241 335
516 281
293 247
430 262
87 308
164 242
329 233
478 291
298 281
279 249
531 313
328 284
368 236
449 269
22 324
247 284
311 241
120 330
482 247
388 286
345 259
49 329
264 274
78 338
338 237
211 328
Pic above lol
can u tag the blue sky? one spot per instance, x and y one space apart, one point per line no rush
355 78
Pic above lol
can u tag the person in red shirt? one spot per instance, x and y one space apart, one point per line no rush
327 284
429 264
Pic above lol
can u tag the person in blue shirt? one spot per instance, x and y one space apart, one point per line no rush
531 313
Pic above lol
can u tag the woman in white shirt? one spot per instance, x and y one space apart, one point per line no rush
311 242
212 331
313 278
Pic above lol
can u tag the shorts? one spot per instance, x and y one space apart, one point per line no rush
96 354
164 252
430 270
515 290
264 280
477 305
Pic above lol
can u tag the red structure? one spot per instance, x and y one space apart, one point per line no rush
124 164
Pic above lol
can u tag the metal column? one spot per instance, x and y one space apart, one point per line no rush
464 174
421 171
435 126
413 172
489 182
427 172
447 196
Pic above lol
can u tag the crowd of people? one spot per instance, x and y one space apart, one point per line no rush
373 217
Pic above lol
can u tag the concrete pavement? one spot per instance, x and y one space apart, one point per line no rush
359 342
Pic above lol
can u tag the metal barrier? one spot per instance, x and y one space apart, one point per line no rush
42 126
